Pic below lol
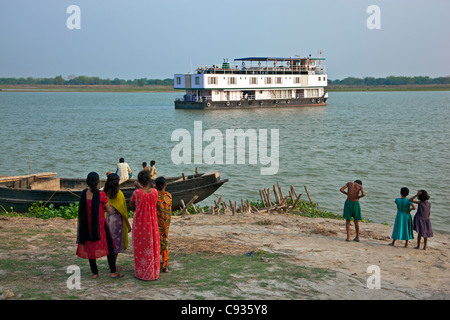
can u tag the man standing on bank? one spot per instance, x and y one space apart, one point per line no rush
352 208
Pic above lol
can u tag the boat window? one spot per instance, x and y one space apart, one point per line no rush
232 80
212 80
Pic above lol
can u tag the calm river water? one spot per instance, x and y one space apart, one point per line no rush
386 139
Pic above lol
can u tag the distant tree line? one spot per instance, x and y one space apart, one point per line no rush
84 80
390 81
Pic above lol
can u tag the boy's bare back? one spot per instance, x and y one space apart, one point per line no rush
353 191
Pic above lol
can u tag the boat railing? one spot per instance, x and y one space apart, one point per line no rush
263 70
248 97
193 97
196 98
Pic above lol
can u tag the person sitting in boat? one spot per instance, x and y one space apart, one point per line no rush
144 166
153 172
123 170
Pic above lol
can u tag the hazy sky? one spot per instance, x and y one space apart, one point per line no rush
156 39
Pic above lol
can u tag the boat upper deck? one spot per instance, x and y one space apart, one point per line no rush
268 65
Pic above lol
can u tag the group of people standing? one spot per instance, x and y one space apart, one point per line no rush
404 223
103 224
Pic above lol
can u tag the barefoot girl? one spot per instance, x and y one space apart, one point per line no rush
403 227
422 224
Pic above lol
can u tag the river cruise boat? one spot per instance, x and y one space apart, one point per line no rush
254 82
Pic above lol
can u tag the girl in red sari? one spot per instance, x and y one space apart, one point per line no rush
93 234
145 229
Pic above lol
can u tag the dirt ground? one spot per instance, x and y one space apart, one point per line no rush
405 273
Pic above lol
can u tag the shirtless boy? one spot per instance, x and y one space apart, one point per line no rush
352 208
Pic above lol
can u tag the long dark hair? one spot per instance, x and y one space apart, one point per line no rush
92 181
112 185
89 230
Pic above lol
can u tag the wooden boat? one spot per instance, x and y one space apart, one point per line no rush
21 192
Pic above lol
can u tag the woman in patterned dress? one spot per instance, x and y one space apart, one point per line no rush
164 213
117 218
93 234
146 244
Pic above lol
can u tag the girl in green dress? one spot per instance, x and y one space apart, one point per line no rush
403 227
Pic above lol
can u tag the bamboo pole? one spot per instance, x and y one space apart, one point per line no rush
219 202
225 207
216 205
184 210
268 196
296 201
294 192
281 191
29 171
277 198
306 189
292 196
233 209
265 197
262 198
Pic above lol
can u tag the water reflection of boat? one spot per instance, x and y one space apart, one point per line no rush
21 192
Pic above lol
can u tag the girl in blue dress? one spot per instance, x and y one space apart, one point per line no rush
403 227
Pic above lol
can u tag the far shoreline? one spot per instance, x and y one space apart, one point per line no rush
163 88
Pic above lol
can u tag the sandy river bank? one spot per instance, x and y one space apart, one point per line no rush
405 273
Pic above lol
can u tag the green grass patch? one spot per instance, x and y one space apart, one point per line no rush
255 275
226 277
39 210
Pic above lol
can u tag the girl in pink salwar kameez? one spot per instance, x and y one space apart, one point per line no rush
146 243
